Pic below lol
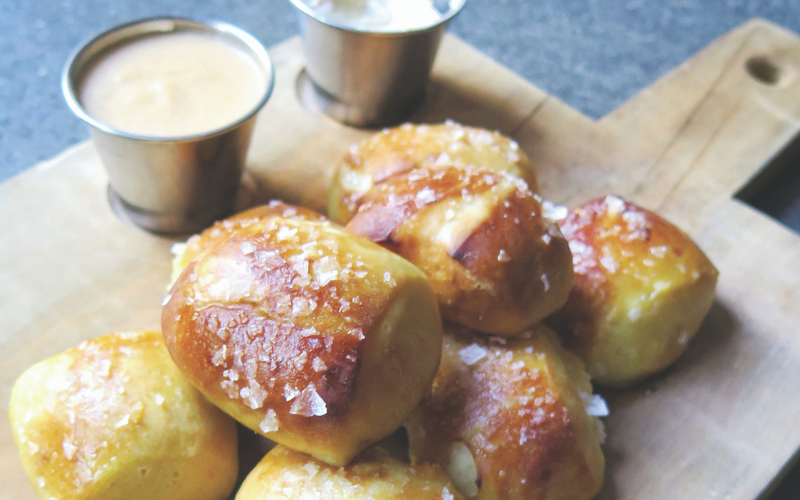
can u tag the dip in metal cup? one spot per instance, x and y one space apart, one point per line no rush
172 185
369 78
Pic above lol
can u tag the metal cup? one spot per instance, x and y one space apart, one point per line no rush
369 78
173 185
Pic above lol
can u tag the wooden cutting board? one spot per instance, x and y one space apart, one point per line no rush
722 423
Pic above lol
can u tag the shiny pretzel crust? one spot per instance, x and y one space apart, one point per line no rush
316 338
284 474
404 148
195 245
642 290
114 419
495 262
515 408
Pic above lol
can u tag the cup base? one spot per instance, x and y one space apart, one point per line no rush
184 223
316 99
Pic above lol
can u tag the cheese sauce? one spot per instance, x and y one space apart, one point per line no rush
172 85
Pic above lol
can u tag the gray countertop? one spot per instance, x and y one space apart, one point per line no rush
592 54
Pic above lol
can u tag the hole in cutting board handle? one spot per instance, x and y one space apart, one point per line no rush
764 70
775 190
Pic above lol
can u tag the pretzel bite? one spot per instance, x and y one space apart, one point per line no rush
284 474
316 338
404 148
186 252
507 419
114 419
642 289
495 262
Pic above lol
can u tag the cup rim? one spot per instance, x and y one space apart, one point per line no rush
161 24
455 8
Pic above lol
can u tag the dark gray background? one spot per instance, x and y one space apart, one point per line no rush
593 54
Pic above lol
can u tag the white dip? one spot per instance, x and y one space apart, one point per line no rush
389 16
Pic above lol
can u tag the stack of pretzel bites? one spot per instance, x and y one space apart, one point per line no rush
425 303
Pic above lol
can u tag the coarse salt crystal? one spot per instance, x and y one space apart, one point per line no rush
307 332
424 196
472 354
219 355
300 361
659 251
255 395
289 392
270 422
231 375
328 276
609 263
614 204
502 256
636 220
284 233
69 449
446 495
442 160
123 421
318 365
554 212
178 249
311 469
248 248
595 405
579 248
309 403
105 367
302 306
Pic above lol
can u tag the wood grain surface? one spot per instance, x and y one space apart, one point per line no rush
722 423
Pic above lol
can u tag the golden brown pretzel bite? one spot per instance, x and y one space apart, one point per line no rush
114 419
404 148
642 289
507 419
314 337
187 252
495 262
284 474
